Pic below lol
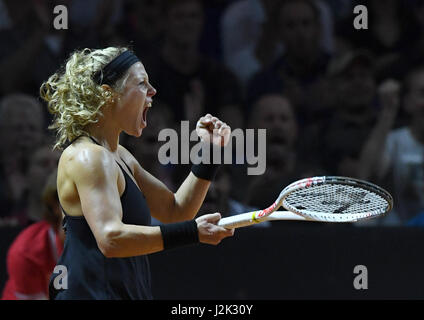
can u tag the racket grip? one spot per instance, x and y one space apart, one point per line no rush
238 221
247 219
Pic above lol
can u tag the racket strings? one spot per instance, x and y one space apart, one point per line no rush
336 199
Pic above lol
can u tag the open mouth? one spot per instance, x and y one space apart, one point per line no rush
145 114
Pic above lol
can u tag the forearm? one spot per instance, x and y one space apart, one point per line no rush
371 155
126 240
372 151
189 197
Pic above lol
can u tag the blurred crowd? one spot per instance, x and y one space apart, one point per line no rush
334 100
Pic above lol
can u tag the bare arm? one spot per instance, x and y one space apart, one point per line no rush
95 175
167 206
372 151
164 204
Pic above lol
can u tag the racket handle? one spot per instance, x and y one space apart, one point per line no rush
247 219
237 221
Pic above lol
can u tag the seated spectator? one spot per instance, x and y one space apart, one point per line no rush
94 24
21 121
30 37
396 158
249 40
340 139
412 53
390 32
142 24
33 254
284 165
242 28
42 163
300 72
189 83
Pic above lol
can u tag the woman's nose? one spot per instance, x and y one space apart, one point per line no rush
152 91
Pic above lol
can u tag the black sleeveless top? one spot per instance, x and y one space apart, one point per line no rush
90 275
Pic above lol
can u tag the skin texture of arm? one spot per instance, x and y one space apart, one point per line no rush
90 183
95 176
165 205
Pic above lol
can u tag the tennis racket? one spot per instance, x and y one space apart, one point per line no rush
324 199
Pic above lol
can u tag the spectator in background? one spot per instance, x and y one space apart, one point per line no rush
33 254
396 158
21 125
249 40
353 114
94 23
390 32
191 84
143 25
42 163
30 37
300 72
241 29
283 163
412 54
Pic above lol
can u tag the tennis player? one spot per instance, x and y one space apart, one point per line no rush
106 196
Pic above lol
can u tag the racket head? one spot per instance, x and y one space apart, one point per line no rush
336 199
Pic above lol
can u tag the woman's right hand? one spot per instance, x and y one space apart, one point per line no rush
209 231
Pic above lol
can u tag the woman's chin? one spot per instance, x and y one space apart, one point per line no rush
136 133
139 133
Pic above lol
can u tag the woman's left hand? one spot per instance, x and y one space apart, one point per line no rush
211 129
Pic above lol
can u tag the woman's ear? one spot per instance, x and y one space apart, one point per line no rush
109 93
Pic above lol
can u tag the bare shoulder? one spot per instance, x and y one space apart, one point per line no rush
124 152
84 160
127 156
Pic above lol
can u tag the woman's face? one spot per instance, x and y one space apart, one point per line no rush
134 102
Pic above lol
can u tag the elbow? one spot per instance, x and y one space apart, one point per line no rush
108 243
106 250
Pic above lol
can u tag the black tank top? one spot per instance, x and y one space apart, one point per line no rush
93 276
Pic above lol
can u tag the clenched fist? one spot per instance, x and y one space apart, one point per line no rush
211 129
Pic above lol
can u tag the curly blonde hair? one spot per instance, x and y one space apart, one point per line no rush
74 98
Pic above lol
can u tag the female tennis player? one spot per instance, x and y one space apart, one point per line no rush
106 196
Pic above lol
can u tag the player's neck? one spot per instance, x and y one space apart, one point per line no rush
105 135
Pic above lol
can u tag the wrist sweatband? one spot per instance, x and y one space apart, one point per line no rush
209 170
179 234
205 171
